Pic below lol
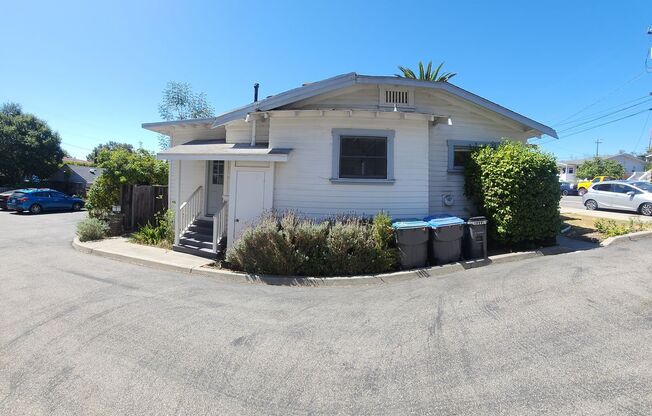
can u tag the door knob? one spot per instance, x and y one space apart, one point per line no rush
237 220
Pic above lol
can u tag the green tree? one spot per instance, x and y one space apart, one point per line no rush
94 155
124 167
426 74
600 167
28 147
180 102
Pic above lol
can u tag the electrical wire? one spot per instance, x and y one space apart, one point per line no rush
600 117
642 100
598 125
640 136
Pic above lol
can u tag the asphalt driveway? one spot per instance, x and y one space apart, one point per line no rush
82 335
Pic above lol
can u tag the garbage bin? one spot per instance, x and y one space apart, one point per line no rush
412 242
475 238
446 233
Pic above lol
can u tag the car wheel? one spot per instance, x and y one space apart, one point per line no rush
646 209
581 191
35 209
591 205
564 193
76 206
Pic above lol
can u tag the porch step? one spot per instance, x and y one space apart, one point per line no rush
201 227
195 242
198 235
196 251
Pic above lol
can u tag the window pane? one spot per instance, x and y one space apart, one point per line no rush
460 155
363 157
621 189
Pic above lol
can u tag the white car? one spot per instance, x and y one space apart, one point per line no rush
621 195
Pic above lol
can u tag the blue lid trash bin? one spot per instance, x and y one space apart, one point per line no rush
446 232
412 241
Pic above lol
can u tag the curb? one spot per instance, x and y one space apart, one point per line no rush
641 235
237 277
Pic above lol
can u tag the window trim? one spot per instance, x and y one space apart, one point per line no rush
452 144
335 157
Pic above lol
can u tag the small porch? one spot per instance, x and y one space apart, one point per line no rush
216 189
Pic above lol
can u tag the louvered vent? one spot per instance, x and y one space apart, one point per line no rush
397 97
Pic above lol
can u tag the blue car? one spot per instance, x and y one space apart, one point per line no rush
568 188
39 200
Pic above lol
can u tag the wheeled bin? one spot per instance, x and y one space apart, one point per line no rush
446 233
412 241
475 238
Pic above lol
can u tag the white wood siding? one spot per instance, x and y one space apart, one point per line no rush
303 183
193 175
630 165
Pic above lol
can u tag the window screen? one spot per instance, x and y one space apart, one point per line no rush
363 157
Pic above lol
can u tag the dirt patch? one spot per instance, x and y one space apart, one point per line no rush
580 227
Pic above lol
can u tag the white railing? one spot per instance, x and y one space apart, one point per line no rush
188 212
219 225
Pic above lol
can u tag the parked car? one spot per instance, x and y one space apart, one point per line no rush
4 196
583 186
39 200
628 196
568 188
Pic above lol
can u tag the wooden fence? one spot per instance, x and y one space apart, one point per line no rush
140 203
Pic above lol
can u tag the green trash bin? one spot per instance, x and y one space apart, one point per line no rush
412 242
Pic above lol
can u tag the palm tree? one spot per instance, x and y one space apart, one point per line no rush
426 75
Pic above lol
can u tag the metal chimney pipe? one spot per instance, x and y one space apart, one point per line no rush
256 92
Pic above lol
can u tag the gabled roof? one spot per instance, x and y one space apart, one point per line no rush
580 161
351 79
78 174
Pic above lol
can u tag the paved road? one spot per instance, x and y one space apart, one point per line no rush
572 201
82 335
574 204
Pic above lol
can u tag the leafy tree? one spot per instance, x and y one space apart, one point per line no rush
600 167
180 102
94 155
124 167
426 74
28 147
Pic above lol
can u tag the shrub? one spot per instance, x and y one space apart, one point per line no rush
290 245
160 233
611 228
516 187
91 229
600 167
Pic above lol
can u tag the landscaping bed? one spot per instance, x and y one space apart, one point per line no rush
596 230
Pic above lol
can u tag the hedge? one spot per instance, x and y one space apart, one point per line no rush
287 244
516 187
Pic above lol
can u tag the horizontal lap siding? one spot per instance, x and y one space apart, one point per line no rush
466 126
303 183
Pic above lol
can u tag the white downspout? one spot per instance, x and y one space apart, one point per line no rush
253 133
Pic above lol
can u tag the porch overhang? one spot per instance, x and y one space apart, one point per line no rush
220 150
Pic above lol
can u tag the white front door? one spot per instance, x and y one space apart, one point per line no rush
249 204
215 186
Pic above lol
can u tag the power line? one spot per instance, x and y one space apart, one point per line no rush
599 125
643 100
640 136
602 116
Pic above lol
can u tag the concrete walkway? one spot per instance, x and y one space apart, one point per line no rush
120 248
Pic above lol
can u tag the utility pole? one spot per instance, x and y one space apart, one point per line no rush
597 147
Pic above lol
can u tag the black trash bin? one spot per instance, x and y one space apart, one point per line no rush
446 234
412 242
475 238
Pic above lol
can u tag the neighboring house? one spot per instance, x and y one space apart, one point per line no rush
349 144
629 162
74 179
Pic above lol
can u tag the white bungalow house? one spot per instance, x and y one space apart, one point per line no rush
348 144
630 163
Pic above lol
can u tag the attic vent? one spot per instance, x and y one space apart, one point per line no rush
397 97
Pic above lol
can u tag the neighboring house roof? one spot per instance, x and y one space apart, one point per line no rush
73 160
78 174
348 80
580 161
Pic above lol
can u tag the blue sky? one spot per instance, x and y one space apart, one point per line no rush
95 71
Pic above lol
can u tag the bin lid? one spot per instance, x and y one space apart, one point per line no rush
442 220
408 223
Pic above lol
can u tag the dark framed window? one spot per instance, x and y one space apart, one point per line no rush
460 156
363 157
459 150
